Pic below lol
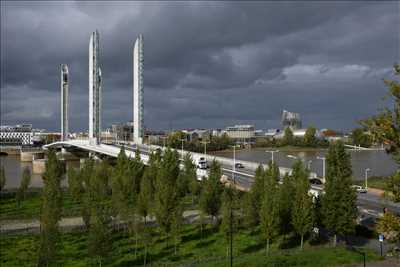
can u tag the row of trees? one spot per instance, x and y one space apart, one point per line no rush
309 140
214 143
131 193
289 207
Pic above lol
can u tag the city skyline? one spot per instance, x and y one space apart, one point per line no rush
321 66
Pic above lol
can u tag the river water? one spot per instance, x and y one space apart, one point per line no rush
14 168
379 163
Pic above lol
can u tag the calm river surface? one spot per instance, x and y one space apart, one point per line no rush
14 168
379 162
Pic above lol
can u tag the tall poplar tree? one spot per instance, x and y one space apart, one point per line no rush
99 239
286 193
166 196
254 197
229 223
51 209
269 212
2 178
25 182
302 202
210 198
339 201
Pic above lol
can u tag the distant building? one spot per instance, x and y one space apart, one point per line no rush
16 135
122 131
241 133
195 134
291 120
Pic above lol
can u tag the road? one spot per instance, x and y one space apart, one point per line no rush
369 204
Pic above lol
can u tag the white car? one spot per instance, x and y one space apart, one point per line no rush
360 189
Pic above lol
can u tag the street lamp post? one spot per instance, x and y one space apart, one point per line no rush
323 168
205 148
272 154
366 177
309 164
234 164
182 140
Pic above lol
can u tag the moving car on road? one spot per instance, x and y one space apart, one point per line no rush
360 189
239 165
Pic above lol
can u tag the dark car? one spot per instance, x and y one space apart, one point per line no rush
315 181
239 165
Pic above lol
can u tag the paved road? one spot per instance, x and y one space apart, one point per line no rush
370 204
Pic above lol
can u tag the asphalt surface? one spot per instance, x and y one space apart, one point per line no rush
370 205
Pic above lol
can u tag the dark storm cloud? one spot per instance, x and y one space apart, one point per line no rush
207 64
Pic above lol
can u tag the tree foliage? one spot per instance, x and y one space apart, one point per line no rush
269 212
302 203
309 137
99 237
385 127
361 138
339 201
25 182
2 178
288 137
389 226
51 209
254 197
210 198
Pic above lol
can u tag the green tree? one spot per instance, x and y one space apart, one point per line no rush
176 226
99 237
25 182
389 226
288 137
75 185
229 222
210 198
2 178
393 187
187 176
361 138
80 191
309 137
302 204
385 127
269 212
254 197
51 208
339 201
166 196
286 193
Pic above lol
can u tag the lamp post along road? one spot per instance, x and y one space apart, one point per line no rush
366 177
272 154
323 168
205 148
182 140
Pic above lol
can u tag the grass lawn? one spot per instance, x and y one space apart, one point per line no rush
208 250
30 207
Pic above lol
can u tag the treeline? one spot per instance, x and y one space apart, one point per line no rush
214 143
309 140
131 192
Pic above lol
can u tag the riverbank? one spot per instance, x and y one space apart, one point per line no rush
280 149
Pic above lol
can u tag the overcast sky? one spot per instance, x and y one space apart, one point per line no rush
207 64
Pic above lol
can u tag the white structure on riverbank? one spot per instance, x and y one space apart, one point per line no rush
138 131
94 90
64 102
